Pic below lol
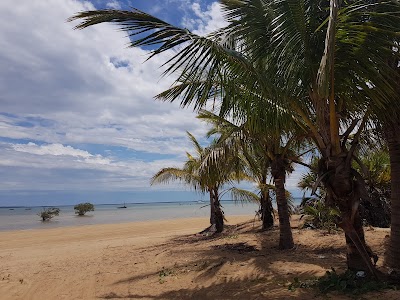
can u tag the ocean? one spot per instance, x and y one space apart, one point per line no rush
26 218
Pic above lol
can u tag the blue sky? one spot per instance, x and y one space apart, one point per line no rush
78 121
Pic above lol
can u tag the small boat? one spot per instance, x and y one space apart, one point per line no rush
122 206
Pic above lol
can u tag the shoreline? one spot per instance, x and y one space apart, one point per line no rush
63 227
109 204
29 220
81 233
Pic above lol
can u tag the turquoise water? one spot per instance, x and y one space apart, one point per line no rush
24 218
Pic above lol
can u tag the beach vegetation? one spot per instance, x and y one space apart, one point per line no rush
82 208
318 215
374 167
376 211
47 214
349 283
331 68
163 273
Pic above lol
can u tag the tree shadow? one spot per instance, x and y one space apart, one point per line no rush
241 263
246 288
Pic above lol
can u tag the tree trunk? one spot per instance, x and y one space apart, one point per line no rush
278 172
344 191
285 236
267 216
219 214
393 139
212 209
355 261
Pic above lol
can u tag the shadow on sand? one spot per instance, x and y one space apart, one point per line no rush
240 263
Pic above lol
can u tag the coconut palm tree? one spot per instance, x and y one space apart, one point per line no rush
324 61
206 180
265 152
256 164
258 167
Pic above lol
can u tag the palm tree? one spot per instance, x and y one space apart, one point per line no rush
264 151
206 180
324 61
258 167
255 163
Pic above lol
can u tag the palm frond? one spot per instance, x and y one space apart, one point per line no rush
243 196
195 143
198 55
166 175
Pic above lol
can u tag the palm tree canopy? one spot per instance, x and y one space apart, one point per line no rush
269 56
200 176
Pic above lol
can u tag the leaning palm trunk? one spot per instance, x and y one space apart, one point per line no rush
393 139
285 231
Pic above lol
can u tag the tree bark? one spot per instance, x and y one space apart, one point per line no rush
344 191
267 216
278 172
212 209
285 231
219 215
355 261
393 139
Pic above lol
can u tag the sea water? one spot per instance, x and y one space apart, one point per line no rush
25 218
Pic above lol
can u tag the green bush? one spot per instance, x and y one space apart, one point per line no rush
345 283
82 208
319 215
48 213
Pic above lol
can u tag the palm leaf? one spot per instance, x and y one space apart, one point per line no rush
241 195
199 55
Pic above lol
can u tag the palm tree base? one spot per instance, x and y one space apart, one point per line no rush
212 229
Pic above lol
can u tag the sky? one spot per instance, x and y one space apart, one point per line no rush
78 119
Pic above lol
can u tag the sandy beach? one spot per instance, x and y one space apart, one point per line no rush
167 260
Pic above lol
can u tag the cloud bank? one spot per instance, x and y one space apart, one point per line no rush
77 108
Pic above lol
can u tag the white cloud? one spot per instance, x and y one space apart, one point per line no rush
114 5
81 81
55 166
53 149
207 20
69 76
